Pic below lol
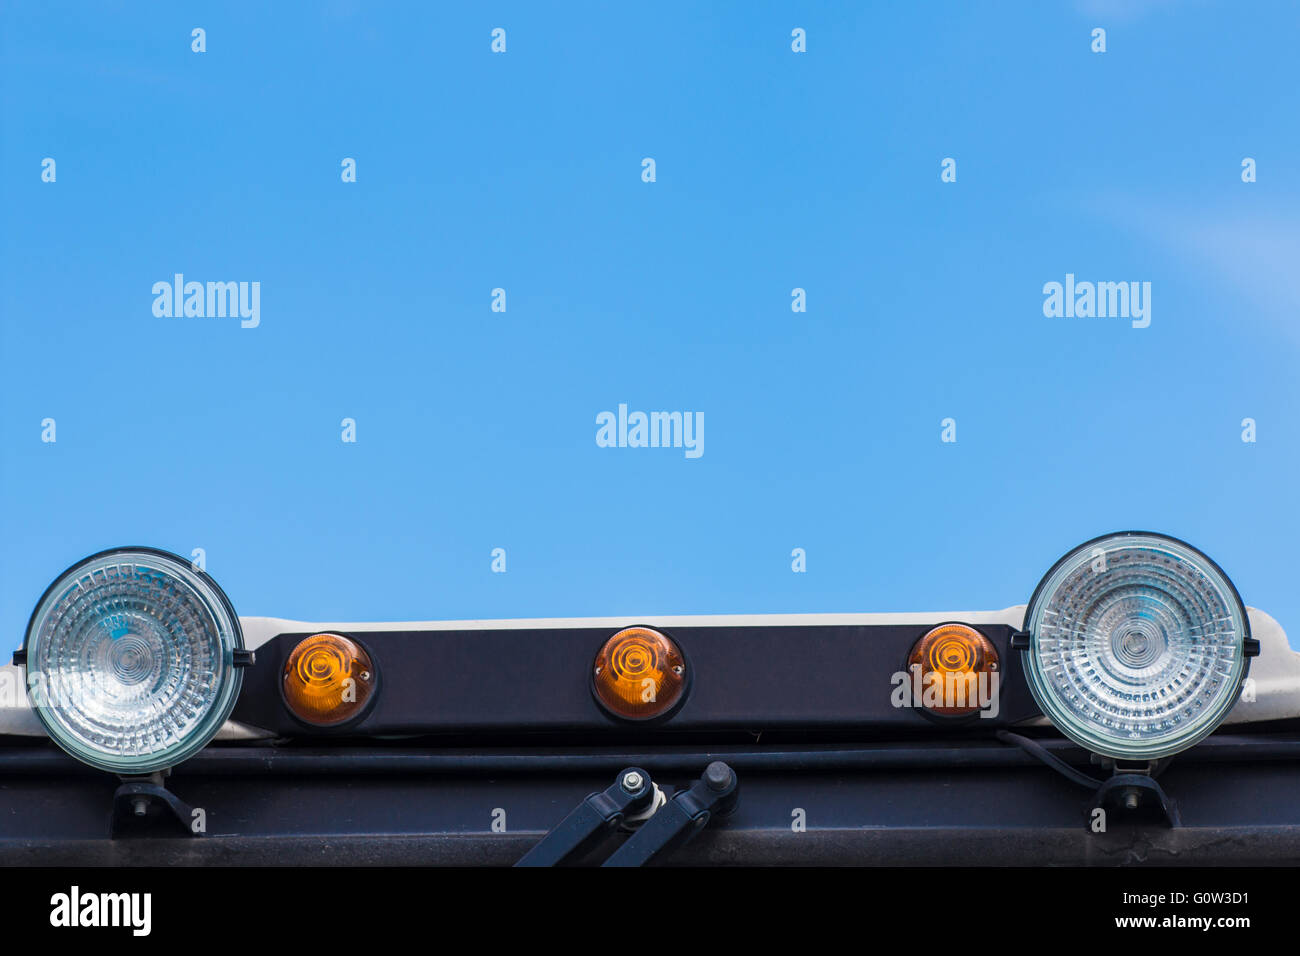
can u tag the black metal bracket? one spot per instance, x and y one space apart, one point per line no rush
141 801
687 813
633 792
1136 793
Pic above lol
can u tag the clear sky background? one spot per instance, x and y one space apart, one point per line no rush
775 170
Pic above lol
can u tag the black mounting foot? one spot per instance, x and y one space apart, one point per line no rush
144 804
1138 795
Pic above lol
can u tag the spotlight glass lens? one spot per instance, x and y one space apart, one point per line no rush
639 674
328 679
1136 645
130 660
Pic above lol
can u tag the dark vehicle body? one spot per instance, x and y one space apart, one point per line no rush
483 736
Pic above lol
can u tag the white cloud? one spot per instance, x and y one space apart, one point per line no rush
1254 250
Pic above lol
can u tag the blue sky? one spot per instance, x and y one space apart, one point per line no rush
774 170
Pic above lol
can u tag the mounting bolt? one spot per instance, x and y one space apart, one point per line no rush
140 805
632 782
1131 799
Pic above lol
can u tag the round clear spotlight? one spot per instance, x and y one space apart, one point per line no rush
1137 645
131 660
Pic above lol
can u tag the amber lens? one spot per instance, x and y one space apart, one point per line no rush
328 679
952 658
639 674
